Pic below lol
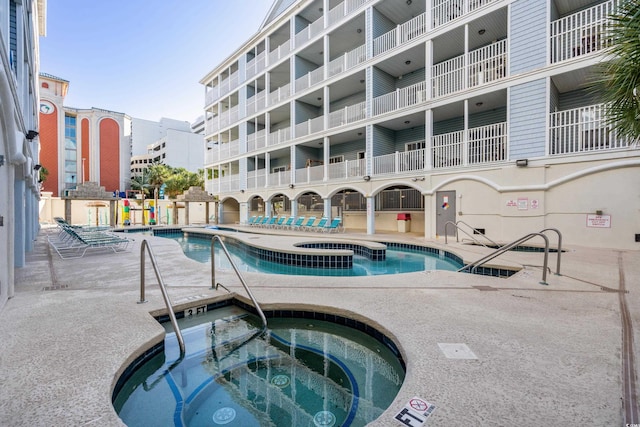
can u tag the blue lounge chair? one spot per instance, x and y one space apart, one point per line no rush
256 221
334 226
298 224
251 220
271 222
288 223
309 224
278 223
321 224
264 221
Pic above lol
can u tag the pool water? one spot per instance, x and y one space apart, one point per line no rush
300 372
397 261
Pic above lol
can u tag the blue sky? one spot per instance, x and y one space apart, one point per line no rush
144 58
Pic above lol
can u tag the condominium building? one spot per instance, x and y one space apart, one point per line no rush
168 141
81 145
455 113
21 24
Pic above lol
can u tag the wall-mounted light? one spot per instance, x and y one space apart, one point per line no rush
291 186
420 178
242 190
31 134
522 162
359 30
482 31
366 178
37 167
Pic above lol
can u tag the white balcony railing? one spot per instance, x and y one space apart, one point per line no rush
488 63
581 33
312 78
399 162
279 179
309 127
444 11
582 130
484 144
256 178
279 136
349 114
400 98
342 10
257 140
347 169
280 94
348 60
226 184
279 52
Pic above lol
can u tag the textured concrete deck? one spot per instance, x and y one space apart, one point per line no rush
546 355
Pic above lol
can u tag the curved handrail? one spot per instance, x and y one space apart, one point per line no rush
474 265
559 247
165 296
457 228
215 285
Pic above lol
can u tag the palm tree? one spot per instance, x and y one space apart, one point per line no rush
158 174
619 79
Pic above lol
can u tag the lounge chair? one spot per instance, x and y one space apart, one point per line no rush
264 221
287 224
278 223
271 222
298 224
251 220
73 243
320 225
334 226
309 224
256 221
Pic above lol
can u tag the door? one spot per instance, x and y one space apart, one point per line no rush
445 211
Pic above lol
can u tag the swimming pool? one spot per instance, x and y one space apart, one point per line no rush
405 259
304 371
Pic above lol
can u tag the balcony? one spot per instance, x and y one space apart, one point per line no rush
256 64
256 178
279 179
344 9
484 144
399 162
348 60
257 140
581 33
279 136
309 127
583 130
486 64
347 169
400 98
349 114
310 79
444 11
402 34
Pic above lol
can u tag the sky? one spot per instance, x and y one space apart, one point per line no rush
144 58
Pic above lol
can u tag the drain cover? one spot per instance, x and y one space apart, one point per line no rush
280 381
224 415
456 351
324 419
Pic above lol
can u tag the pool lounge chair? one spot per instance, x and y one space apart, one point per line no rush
264 221
278 223
320 225
75 244
256 221
335 226
309 224
288 223
271 222
298 224
251 220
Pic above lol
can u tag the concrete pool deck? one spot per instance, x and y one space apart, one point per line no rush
545 355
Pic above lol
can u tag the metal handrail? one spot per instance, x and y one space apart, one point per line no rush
457 228
559 247
474 265
163 288
215 285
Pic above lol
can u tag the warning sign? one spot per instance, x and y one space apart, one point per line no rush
415 412
599 221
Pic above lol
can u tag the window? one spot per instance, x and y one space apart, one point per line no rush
70 152
336 159
412 146
279 169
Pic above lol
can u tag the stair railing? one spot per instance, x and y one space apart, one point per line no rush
163 288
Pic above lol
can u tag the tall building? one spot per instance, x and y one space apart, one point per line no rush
81 145
467 112
21 23
168 141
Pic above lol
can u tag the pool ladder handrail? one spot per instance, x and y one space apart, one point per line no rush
457 228
215 285
163 289
473 266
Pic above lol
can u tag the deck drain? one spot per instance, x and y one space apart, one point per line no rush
324 419
224 415
280 381
456 351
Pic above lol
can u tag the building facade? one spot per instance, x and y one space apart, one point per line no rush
81 145
469 112
21 24
168 141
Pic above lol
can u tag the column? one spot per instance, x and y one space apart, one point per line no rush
371 217
19 227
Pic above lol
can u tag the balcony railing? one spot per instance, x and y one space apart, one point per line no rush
581 33
279 136
347 169
257 140
280 52
348 60
310 174
279 179
256 178
400 98
225 184
583 130
344 9
312 78
401 34
486 64
256 64
346 115
309 127
444 11
484 144
400 161
256 103
280 94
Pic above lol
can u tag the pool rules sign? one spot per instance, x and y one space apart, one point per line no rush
415 412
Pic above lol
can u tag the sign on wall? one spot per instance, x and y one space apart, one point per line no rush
598 221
